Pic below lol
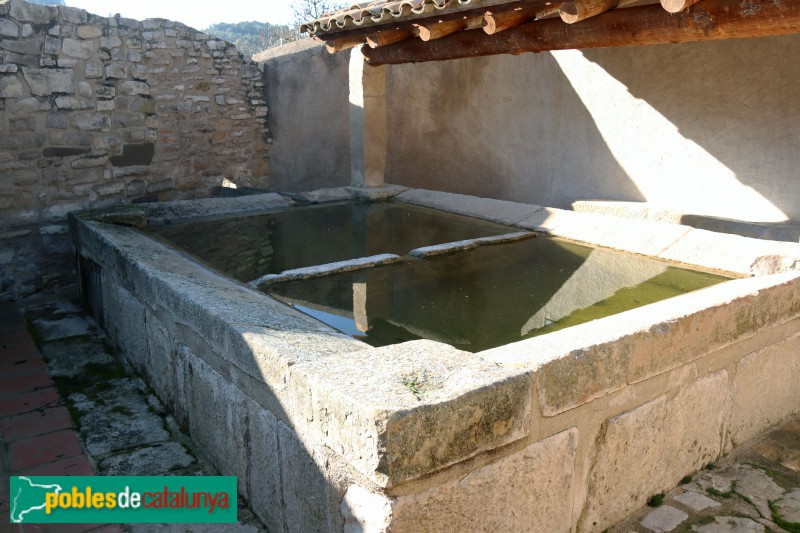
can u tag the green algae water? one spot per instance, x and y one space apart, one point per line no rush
247 247
489 296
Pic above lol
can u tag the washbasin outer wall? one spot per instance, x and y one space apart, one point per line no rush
327 388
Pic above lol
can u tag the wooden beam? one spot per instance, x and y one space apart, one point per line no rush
343 43
578 10
429 31
498 19
674 6
644 25
382 38
436 29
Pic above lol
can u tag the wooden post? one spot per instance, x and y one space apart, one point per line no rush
704 21
367 122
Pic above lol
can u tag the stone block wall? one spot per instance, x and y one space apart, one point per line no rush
96 111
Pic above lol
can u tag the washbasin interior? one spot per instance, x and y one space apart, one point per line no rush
474 299
489 296
247 247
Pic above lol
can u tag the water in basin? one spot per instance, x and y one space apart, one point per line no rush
489 296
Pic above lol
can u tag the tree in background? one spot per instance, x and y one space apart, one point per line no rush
253 37
306 10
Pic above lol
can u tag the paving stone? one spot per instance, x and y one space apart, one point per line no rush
782 446
149 461
696 501
788 507
663 519
758 487
63 328
730 524
122 421
720 480
69 359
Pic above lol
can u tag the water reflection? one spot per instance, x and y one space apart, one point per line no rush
489 296
248 247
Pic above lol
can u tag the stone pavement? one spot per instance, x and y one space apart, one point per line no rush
754 489
122 428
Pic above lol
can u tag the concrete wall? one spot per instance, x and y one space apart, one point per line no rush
707 128
698 128
307 94
96 111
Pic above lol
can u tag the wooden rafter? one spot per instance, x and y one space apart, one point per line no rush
674 6
644 25
502 18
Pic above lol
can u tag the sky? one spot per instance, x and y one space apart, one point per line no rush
198 14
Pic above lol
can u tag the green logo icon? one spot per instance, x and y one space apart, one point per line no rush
122 499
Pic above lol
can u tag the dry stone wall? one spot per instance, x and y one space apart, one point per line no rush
96 111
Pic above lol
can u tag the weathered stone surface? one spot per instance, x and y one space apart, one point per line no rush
91 121
125 322
781 446
664 519
500 211
757 487
63 328
133 87
306 492
695 500
529 490
788 507
157 460
35 13
105 91
70 103
120 422
366 512
658 442
328 195
765 390
116 70
731 524
93 69
69 359
9 28
54 151
88 31
23 46
10 87
52 45
391 434
264 474
77 48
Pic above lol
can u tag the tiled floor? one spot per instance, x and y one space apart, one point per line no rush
36 434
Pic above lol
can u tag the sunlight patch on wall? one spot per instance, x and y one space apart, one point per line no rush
670 170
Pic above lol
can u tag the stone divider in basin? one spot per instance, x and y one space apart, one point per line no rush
326 269
426 252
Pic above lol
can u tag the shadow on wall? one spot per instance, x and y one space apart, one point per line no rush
732 108
699 128
502 127
307 94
